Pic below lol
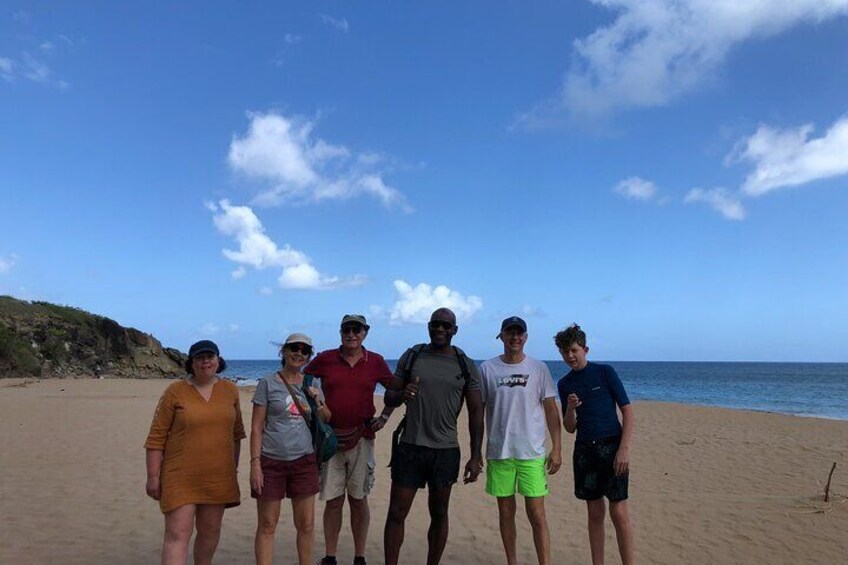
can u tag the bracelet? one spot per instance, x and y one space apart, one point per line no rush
257 458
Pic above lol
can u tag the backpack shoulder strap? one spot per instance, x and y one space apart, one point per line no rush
410 361
462 359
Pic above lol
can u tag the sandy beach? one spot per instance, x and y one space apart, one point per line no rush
708 486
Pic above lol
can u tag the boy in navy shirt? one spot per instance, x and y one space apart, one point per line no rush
589 394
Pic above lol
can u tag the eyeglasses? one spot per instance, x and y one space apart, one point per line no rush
352 328
299 348
440 324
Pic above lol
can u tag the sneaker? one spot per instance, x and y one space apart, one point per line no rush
359 560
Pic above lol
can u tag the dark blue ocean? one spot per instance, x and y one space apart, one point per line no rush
802 389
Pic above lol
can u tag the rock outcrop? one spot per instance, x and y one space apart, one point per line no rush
46 340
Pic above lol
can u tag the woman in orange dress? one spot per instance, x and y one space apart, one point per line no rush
192 455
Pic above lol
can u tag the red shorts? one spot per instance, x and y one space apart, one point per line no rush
288 479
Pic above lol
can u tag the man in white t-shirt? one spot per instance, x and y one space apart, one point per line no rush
520 401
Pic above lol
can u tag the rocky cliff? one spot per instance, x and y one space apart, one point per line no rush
46 340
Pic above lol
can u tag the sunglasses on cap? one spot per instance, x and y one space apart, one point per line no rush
352 328
299 348
440 324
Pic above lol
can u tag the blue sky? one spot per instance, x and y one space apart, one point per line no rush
671 175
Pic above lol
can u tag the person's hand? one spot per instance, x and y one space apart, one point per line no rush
257 481
378 423
313 392
553 461
573 401
472 470
622 461
410 391
153 488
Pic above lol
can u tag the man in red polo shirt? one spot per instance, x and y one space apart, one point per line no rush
349 376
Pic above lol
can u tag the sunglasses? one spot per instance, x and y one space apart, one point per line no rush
440 324
352 328
300 348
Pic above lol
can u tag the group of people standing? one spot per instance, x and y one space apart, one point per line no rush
194 441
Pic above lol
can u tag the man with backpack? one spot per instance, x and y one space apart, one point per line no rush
433 380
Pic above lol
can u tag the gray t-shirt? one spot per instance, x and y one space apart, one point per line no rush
286 436
515 414
431 416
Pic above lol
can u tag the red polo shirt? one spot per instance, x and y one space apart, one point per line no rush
349 391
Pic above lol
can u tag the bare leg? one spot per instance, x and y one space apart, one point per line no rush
506 519
263 544
597 512
623 530
400 501
535 507
179 524
207 520
332 524
438 501
360 519
303 510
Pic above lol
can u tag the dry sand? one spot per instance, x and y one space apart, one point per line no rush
708 485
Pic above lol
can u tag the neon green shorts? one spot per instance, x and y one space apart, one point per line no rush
506 476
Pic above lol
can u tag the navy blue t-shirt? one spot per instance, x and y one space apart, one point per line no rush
600 389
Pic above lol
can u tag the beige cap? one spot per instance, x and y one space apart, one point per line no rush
298 338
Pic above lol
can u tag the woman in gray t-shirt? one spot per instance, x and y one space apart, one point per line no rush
282 460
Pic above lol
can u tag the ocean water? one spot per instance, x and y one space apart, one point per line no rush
801 389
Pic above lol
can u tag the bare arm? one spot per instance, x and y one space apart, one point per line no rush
153 460
622 457
474 399
554 460
257 426
570 420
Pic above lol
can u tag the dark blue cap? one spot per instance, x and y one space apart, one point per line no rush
203 346
513 321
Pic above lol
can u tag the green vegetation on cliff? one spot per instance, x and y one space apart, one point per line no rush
44 339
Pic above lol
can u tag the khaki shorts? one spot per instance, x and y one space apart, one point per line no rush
351 471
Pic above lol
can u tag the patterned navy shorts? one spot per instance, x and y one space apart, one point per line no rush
594 473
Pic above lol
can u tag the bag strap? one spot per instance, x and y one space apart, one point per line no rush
294 396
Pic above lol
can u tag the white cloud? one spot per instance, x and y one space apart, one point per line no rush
338 23
720 200
36 70
209 329
46 47
789 158
266 291
239 273
234 328
636 188
530 311
7 69
656 50
416 304
281 152
7 263
292 38
259 251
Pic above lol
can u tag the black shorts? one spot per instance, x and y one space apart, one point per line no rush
414 466
594 472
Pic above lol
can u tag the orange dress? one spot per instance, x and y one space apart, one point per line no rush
198 438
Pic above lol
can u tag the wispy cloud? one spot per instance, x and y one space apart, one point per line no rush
338 23
788 157
7 263
7 69
415 304
257 250
292 38
720 199
655 51
636 188
282 153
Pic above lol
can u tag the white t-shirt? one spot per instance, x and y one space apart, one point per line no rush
515 415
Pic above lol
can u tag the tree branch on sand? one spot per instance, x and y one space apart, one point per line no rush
829 477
